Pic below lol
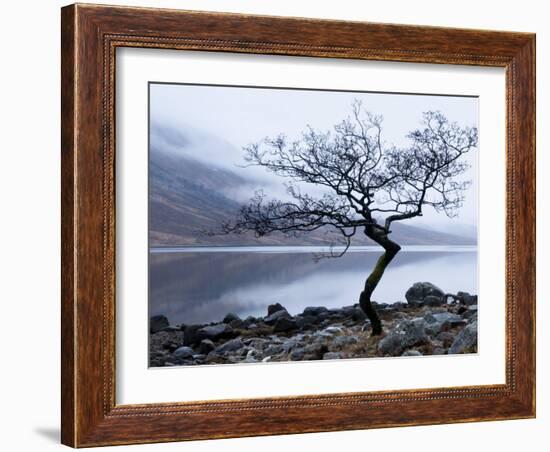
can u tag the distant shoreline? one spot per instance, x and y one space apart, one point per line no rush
303 248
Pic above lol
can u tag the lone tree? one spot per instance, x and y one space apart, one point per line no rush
368 185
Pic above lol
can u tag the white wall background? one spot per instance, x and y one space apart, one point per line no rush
29 178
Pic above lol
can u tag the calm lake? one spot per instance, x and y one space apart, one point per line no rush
202 284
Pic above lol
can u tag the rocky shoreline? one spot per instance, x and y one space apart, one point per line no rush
431 322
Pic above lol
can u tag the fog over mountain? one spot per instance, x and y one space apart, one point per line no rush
197 180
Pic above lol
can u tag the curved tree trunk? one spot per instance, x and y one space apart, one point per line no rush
391 249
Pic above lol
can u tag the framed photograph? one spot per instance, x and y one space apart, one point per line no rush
281 225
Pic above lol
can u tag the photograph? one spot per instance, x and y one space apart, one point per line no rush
291 224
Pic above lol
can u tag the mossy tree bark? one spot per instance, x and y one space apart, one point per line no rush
391 249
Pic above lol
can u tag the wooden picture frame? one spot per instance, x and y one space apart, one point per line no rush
90 36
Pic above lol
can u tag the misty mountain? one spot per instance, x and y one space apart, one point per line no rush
188 197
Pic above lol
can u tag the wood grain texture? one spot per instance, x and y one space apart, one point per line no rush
90 36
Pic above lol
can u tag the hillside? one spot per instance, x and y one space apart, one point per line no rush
188 197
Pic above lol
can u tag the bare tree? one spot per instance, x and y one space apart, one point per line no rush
367 185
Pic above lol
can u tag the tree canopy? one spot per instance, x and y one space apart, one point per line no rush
367 183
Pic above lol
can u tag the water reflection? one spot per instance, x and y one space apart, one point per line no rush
197 287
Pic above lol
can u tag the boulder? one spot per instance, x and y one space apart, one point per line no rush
333 355
274 349
453 319
206 346
171 329
297 354
315 310
466 298
191 335
170 345
343 341
273 308
217 331
411 353
417 294
237 324
230 317
466 339
432 300
315 351
184 352
359 315
446 338
442 321
470 313
157 323
230 346
271 319
283 324
407 334
194 334
305 321
250 320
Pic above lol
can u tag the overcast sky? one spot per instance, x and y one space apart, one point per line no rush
224 119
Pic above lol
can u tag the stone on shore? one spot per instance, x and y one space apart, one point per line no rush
273 308
272 319
184 352
283 324
407 334
157 323
466 339
426 325
425 293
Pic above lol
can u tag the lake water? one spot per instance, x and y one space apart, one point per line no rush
202 284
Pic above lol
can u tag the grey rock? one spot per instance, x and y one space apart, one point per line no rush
273 308
343 341
448 317
465 339
417 294
206 346
237 324
171 329
442 321
230 317
315 351
358 315
230 346
271 319
170 345
297 354
438 351
305 321
315 310
283 324
289 345
471 312
333 330
406 334
214 332
250 320
432 300
157 323
411 353
191 335
446 338
466 298
274 349
333 355
184 352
